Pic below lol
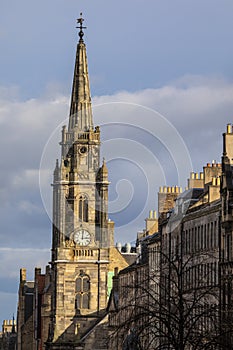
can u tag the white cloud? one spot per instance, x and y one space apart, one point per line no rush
199 108
26 178
186 98
32 120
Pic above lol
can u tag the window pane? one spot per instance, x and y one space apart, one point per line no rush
78 285
86 301
78 302
85 210
80 209
86 284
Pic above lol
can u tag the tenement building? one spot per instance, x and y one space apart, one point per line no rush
178 294
66 307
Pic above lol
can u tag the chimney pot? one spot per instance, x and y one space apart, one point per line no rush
229 129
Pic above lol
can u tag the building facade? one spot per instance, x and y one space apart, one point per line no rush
183 298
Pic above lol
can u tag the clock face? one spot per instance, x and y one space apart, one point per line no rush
82 237
83 150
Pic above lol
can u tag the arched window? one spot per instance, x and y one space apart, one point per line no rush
83 209
82 292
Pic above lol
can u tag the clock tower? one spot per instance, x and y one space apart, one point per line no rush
82 233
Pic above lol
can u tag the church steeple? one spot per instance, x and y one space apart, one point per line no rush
80 108
82 233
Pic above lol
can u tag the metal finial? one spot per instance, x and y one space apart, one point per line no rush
80 22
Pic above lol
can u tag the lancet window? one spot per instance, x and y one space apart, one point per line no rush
82 292
83 208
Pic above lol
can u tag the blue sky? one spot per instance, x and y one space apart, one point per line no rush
125 39
174 57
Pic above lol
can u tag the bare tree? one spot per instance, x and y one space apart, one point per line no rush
171 306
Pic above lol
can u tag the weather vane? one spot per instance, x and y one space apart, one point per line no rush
80 22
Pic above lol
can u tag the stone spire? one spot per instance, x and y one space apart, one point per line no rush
104 171
80 109
56 171
13 325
